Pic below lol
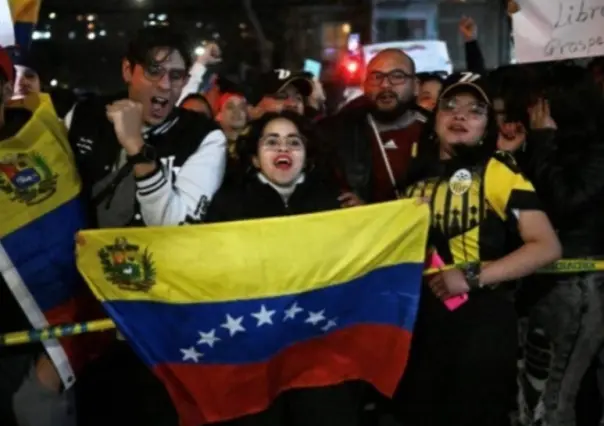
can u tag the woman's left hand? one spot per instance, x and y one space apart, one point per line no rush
447 284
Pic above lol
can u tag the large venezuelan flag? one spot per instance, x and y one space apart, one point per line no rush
25 17
230 315
40 214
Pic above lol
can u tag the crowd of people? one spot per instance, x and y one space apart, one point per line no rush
509 160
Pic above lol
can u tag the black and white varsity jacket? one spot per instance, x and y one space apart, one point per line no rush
190 147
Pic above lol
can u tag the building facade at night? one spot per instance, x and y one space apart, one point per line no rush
81 46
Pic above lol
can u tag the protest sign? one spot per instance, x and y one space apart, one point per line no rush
428 55
550 30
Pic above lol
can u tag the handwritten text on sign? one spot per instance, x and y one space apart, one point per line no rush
549 30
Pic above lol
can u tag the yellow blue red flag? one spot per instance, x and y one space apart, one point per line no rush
40 214
230 315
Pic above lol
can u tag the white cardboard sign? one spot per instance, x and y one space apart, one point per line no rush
551 30
428 55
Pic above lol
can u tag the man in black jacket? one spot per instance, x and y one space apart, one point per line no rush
143 162
375 136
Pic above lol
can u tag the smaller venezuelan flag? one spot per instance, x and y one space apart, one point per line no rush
230 315
40 215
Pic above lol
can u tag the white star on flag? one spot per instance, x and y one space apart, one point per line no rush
233 325
191 354
292 311
208 338
315 318
263 316
330 324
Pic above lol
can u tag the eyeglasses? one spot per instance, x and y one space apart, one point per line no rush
155 73
395 78
477 109
275 143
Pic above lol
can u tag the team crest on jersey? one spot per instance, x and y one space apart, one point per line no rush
460 182
127 267
27 178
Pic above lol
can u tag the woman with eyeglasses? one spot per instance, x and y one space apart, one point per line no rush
489 227
284 177
282 173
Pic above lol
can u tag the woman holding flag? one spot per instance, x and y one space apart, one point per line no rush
281 153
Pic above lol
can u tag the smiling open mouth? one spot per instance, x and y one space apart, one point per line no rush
157 100
283 162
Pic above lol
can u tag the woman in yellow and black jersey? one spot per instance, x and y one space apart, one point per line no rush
487 220
475 209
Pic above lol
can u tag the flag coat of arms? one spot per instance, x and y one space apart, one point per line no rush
40 215
229 315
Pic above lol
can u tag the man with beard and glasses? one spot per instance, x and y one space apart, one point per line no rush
144 162
375 136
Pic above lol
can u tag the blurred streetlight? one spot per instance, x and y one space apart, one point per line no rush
54 83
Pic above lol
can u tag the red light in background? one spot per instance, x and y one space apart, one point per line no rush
352 67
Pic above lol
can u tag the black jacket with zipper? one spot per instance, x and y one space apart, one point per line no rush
253 199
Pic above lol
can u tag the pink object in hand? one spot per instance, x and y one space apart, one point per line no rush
454 302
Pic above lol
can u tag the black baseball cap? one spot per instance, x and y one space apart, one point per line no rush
276 80
467 82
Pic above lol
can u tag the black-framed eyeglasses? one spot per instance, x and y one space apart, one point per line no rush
155 72
476 109
395 77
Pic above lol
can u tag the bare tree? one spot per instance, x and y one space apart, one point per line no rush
265 46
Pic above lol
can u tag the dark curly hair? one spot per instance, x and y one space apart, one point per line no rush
247 143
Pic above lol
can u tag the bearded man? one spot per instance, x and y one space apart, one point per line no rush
375 137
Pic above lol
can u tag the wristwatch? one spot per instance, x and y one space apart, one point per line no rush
472 274
147 154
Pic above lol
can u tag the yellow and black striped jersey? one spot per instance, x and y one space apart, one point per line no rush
475 210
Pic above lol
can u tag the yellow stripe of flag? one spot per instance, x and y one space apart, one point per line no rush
25 11
251 259
37 169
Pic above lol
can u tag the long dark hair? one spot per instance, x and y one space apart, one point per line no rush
427 163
